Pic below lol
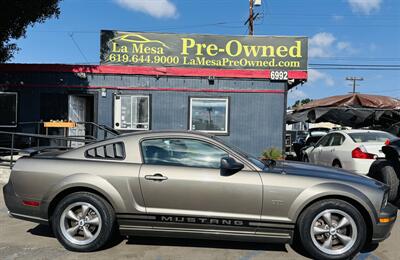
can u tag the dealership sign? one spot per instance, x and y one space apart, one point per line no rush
204 51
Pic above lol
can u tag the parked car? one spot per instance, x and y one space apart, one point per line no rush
191 185
387 169
312 137
353 150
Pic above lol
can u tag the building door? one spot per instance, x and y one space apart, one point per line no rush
77 106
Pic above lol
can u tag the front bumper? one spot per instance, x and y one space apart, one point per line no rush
382 230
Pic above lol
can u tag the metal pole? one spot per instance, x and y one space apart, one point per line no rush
12 150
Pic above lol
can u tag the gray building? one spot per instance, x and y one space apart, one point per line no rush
245 109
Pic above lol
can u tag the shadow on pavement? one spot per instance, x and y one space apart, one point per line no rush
41 230
183 242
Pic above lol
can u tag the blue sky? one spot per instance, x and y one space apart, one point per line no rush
340 31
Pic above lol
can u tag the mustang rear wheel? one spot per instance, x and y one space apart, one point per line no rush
83 222
332 229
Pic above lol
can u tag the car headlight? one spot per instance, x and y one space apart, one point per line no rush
385 199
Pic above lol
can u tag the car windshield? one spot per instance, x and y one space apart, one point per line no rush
371 137
257 162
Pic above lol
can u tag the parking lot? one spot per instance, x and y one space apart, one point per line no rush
25 240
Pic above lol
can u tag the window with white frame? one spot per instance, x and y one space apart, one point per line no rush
131 112
209 115
8 109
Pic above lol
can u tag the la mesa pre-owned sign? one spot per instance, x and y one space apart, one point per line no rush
204 51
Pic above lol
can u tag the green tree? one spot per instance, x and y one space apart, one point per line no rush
299 103
16 16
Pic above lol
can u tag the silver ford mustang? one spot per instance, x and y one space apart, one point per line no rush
186 184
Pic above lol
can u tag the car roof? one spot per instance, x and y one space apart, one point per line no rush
357 131
166 132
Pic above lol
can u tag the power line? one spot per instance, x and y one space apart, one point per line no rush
79 49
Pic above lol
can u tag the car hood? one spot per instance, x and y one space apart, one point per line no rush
311 170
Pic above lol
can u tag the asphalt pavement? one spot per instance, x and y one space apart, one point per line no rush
24 240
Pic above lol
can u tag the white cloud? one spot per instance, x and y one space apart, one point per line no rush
155 8
343 45
318 76
325 45
365 6
297 94
346 47
320 45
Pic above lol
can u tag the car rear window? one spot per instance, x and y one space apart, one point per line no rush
371 137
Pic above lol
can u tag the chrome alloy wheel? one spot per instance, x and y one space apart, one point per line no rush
333 232
80 223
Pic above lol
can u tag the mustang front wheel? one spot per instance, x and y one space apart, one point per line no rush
332 229
83 222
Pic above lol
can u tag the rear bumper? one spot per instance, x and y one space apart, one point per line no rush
359 166
17 209
382 230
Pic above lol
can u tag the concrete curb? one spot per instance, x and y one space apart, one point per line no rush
4 175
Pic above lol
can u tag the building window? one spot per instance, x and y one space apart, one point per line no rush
8 109
131 112
209 115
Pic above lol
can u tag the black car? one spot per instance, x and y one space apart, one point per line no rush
387 170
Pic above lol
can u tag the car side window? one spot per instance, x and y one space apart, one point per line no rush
181 152
337 139
324 141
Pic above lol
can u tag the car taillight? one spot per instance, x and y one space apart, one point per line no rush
387 142
31 203
359 154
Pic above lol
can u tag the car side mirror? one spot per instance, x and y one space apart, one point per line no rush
230 166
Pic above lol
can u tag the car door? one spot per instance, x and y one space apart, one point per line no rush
315 154
183 187
336 149
326 155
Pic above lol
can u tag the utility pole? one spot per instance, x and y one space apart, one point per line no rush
354 79
251 18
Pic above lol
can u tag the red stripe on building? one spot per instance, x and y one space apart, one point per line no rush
276 91
134 70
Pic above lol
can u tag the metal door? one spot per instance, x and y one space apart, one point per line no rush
77 113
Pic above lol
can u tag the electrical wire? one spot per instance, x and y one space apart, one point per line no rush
79 49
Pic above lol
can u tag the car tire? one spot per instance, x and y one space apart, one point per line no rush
317 229
384 172
83 222
336 164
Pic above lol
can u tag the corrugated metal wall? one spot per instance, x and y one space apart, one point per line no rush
256 120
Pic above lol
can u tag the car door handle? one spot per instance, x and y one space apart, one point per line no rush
156 177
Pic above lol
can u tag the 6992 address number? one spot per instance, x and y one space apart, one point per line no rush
279 75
